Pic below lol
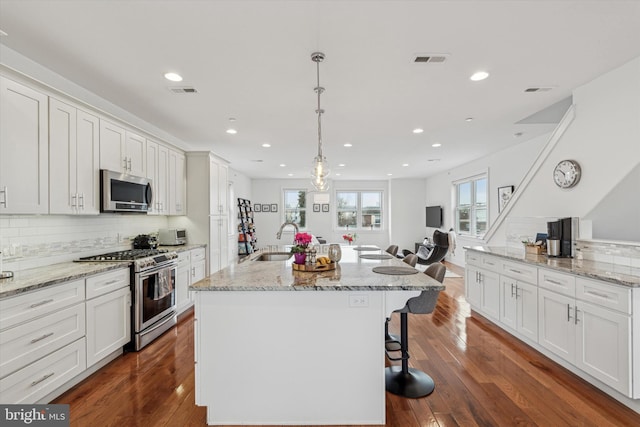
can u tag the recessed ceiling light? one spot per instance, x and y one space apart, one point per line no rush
348 145
174 77
338 174
468 119
265 145
341 165
389 174
418 130
282 165
405 165
232 131
437 144
289 174
479 75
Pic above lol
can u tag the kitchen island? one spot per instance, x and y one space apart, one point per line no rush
277 346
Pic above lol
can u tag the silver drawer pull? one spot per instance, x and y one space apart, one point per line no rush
38 304
36 382
569 313
6 196
554 282
111 282
598 294
35 340
489 263
515 271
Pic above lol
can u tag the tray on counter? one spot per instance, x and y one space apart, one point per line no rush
313 268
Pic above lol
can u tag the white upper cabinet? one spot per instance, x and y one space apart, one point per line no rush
219 188
121 150
157 172
24 152
74 160
177 183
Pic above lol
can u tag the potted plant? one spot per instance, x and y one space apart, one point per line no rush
301 243
349 237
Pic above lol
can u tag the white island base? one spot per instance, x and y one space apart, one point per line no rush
299 357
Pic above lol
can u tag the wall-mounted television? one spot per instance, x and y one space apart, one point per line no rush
434 216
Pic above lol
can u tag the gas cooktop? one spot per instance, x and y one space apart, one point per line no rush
128 255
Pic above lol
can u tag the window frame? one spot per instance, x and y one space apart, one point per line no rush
303 210
359 227
474 206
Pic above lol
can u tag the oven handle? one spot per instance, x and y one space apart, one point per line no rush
168 266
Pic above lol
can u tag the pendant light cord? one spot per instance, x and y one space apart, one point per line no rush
319 91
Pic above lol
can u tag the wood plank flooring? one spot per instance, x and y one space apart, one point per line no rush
483 376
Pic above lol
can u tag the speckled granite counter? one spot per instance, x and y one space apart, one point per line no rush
351 273
618 274
36 278
183 248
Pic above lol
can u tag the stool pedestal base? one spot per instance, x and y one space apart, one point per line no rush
413 384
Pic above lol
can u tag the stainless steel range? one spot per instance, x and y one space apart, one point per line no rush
153 278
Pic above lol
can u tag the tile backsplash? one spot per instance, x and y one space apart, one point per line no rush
34 241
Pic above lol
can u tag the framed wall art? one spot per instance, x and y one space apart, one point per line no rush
504 194
316 207
257 207
274 207
325 207
266 207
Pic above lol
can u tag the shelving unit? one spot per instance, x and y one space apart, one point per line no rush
246 228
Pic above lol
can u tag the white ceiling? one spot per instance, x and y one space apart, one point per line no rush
250 60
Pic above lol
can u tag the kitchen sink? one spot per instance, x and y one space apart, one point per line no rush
274 256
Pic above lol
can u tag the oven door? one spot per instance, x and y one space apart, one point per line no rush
155 296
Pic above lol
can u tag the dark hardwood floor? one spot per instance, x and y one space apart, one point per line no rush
483 376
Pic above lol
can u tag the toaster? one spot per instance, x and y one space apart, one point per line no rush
172 236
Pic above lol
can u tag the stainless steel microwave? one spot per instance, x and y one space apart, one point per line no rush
172 236
121 192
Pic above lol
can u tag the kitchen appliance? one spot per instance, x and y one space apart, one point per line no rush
121 192
172 236
562 237
153 280
145 241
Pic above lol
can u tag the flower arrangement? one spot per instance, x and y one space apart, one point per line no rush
349 237
301 241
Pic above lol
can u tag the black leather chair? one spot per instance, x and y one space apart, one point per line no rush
402 380
437 254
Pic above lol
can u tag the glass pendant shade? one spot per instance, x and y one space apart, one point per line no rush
319 173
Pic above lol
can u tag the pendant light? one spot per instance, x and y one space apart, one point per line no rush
321 169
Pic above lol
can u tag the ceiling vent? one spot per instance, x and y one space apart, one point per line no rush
429 58
538 89
183 89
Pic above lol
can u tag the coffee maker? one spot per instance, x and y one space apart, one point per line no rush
561 237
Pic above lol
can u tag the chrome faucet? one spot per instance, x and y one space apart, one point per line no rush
279 233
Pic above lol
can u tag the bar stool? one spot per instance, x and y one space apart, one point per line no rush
411 259
393 250
403 380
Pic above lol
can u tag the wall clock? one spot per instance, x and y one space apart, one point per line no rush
567 173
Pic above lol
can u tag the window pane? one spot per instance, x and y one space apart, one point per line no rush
294 199
347 218
481 221
481 191
347 200
371 201
463 218
464 194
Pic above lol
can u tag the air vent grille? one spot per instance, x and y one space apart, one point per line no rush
183 89
429 58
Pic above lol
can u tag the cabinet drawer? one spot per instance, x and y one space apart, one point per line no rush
491 263
34 304
518 271
107 282
198 254
564 284
184 258
37 380
29 342
473 258
603 294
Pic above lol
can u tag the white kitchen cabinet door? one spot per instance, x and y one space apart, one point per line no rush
556 327
527 310
508 302
177 180
24 149
108 324
135 151
219 177
152 174
604 345
473 289
198 264
112 147
157 172
490 294
218 250
73 160
183 280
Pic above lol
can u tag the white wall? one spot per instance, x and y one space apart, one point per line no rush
407 212
269 191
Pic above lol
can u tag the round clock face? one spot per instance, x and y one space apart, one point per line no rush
566 174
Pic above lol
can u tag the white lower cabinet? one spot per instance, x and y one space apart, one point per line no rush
183 281
483 291
198 264
519 307
108 324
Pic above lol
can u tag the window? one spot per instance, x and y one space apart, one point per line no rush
295 207
471 206
359 209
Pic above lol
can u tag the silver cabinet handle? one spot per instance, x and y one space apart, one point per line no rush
5 199
125 163
111 282
576 320
38 304
554 282
36 382
81 199
35 340
514 294
598 294
569 313
129 164
515 271
193 272
74 199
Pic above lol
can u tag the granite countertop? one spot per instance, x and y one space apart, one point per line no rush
614 273
351 273
40 277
